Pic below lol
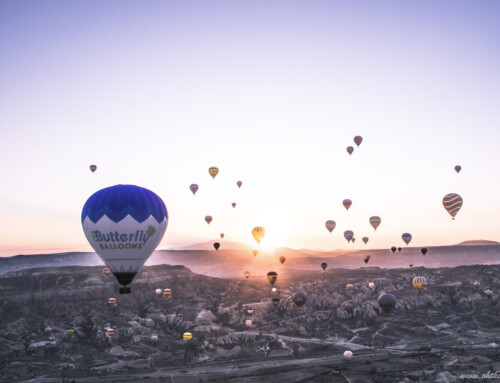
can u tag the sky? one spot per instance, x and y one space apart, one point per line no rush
270 92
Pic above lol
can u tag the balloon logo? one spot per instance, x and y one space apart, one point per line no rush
216 245
419 283
347 203
406 238
208 219
282 259
258 233
124 224
330 225
452 203
193 188
239 183
365 240
375 221
350 149
93 168
348 234
213 171
358 140
458 168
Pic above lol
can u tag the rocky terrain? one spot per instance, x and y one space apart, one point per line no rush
449 330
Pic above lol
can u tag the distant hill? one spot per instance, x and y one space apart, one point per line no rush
479 242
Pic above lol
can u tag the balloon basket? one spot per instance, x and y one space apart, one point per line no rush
125 290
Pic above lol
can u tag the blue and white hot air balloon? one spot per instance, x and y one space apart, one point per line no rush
124 224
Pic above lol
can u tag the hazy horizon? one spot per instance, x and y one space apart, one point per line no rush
272 93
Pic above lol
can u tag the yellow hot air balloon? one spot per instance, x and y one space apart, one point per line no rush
272 277
419 283
213 171
375 221
348 287
258 233
348 355
248 323
246 274
187 336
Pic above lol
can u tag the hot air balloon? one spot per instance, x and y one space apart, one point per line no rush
167 293
353 240
375 221
299 299
399 249
249 311
452 203
233 205
70 333
477 284
258 233
154 338
106 271
347 203
393 249
222 235
187 336
275 301
365 240
348 234
350 149
358 140
93 168
406 238
387 302
112 302
124 224
419 283
423 250
282 259
367 259
239 183
488 292
193 188
371 285
347 355
208 219
274 289
324 265
248 323
458 168
216 246
246 274
110 332
213 171
330 225
411 265
158 291
255 252
349 287
47 330
272 277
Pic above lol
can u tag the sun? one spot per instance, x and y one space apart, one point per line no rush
276 221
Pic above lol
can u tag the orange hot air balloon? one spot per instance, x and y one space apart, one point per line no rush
213 171
255 252
167 293
222 235
258 233
106 271
282 259
246 274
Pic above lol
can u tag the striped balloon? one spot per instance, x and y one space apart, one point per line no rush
419 283
375 221
452 203
358 140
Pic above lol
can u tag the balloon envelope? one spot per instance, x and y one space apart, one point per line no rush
348 355
375 221
419 283
216 245
452 203
193 188
246 274
365 240
406 238
93 168
348 234
222 235
208 219
358 140
187 336
255 252
282 259
330 225
324 265
393 249
386 302
272 277
423 250
239 183
350 149
258 233
213 171
458 168
275 301
233 205
299 299
124 224
347 203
